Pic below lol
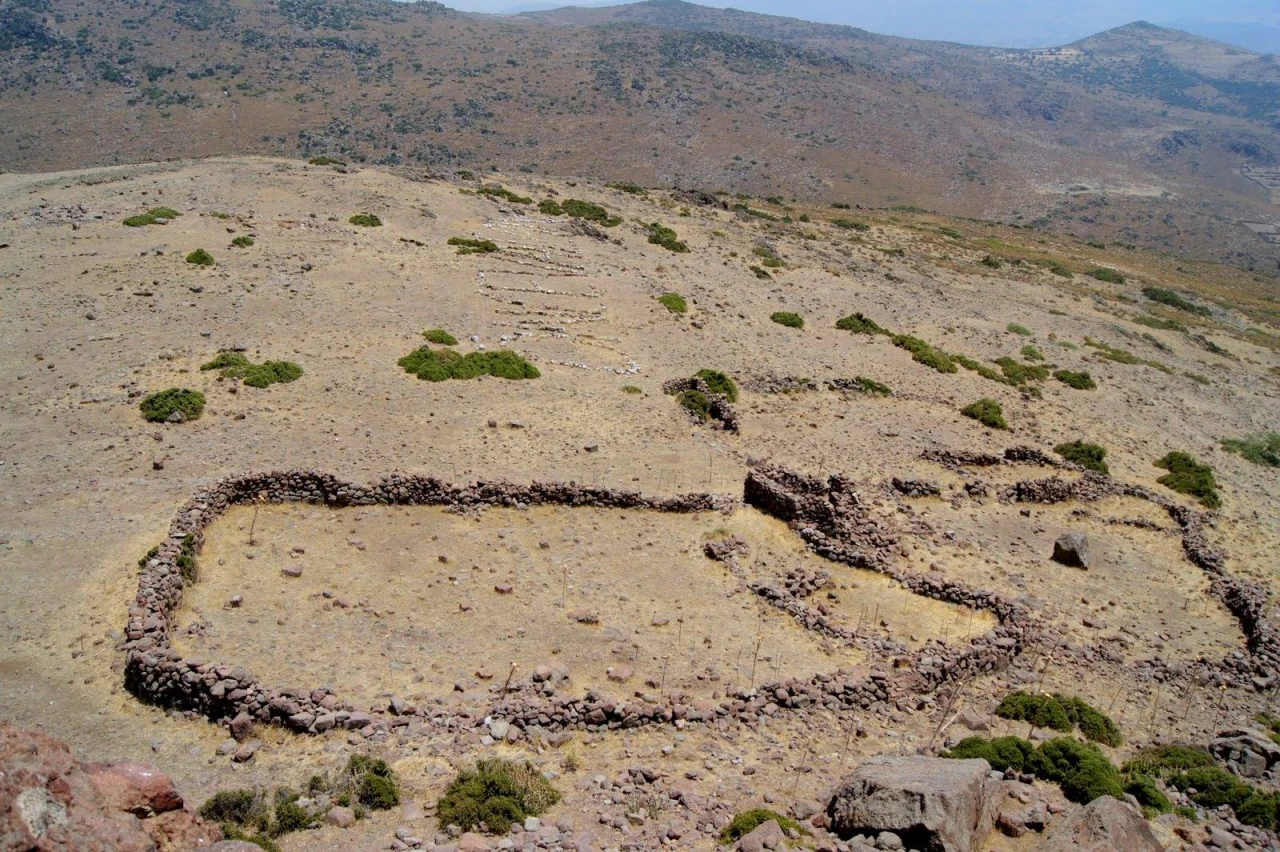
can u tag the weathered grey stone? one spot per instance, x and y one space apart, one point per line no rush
932 804
1104 825
766 835
1072 549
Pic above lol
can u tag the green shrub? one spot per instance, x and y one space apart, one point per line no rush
872 387
1073 379
674 302
1017 373
550 207
232 832
631 389
627 187
236 806
226 360
1120 356
1002 753
1149 795
497 190
1103 273
987 412
981 369
242 241
590 212
1263 449
1159 322
366 220
1088 456
157 407
1214 786
325 161
440 337
859 324
233 365
200 257
1042 711
660 235
851 224
787 318
1031 353
1168 760
494 795
1094 724
290 817
992 262
151 217
1019 329
1188 476
1080 769
375 784
923 353
748 821
1261 810
718 382
466 245
439 365
696 403
1174 300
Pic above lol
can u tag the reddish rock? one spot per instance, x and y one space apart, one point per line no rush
135 788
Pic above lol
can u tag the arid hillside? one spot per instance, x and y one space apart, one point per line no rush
1138 136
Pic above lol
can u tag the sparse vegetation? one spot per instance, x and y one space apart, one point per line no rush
992 262
550 207
660 235
467 245
872 387
242 241
1018 374
1188 476
987 412
696 403
748 821
440 337
1175 300
629 188
159 407
233 365
495 794
1031 353
1088 456
787 318
200 257
1074 379
437 365
859 324
631 389
851 224
497 190
1019 329
674 302
1159 322
762 274
152 217
325 161
718 382
923 353
1262 449
1104 273
590 212
366 220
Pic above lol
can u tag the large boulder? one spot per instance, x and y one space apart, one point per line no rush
59 803
933 804
1247 753
1072 549
1103 825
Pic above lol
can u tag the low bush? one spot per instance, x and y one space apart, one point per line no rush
1041 711
1073 379
152 217
493 795
1088 456
236 806
550 207
1214 786
467 245
1120 356
1165 761
233 365
158 407
440 337
762 274
366 220
1093 723
497 190
1263 449
872 387
660 235
631 389
696 403
1002 752
787 318
674 302
748 821
1188 476
1175 300
439 365
325 161
1082 771
1149 795
923 353
1159 322
718 382
1031 353
992 262
590 212
1018 329
851 224
200 257
291 817
1017 373
987 412
628 187
1103 273
860 324
242 241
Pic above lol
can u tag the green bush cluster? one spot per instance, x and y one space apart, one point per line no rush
466 245
233 365
1019 329
860 324
851 224
497 190
1082 771
923 353
1159 322
495 794
718 382
1165 761
1060 713
762 274
371 780
200 257
872 387
1215 786
1175 300
1104 273
661 235
437 365
366 220
1263 449
579 210
242 241
325 161
987 412
748 821
151 217
787 318
1017 373
628 187
696 403
1088 456
1079 380
158 406
1188 476
631 389
674 302
1031 353
440 337
188 568
992 262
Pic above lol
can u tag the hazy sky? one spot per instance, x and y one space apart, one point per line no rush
1012 23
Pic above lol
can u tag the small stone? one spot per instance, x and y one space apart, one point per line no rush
293 571
341 817
504 588
157 464
620 674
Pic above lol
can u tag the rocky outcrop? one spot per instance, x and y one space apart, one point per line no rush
931 803
1104 825
1250 754
1072 550
55 802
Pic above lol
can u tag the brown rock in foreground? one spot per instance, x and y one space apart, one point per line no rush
1104 825
55 802
931 803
